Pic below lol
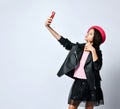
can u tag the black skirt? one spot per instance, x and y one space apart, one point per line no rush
80 94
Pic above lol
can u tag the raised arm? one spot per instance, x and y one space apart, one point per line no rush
63 41
51 30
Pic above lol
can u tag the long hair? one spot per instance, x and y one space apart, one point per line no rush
97 39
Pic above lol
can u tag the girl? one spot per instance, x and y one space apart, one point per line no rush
83 64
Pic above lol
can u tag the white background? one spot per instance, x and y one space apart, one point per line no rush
30 57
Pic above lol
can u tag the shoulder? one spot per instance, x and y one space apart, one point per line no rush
80 45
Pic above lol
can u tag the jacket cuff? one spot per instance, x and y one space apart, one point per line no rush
62 40
97 65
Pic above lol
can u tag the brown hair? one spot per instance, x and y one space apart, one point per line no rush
97 39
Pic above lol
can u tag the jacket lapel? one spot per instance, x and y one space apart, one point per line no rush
80 51
89 58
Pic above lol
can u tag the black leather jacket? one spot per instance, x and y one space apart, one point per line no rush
72 61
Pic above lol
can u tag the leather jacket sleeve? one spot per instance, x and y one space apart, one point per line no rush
98 63
66 43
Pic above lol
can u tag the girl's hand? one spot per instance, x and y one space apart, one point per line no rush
48 22
89 47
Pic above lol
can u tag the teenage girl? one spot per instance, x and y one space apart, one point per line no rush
83 64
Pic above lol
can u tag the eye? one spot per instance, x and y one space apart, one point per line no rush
91 34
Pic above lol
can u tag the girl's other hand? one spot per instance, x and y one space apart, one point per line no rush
88 47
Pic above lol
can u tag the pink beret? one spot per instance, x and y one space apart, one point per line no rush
102 32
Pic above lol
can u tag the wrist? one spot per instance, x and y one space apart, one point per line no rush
93 50
46 26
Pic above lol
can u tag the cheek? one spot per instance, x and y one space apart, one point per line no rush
90 38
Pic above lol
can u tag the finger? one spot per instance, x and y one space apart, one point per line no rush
87 44
50 18
86 49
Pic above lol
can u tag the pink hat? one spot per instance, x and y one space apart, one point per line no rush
102 32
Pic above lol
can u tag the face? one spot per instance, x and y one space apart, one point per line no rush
89 36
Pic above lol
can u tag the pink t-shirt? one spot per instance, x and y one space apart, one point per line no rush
79 71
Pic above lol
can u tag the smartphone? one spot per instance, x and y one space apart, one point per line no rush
53 14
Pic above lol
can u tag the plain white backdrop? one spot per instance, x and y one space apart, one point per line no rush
30 57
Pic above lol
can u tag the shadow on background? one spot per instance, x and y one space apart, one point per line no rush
112 88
